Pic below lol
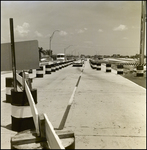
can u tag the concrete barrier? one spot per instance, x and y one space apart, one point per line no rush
108 67
98 66
48 69
63 64
30 71
91 64
39 72
57 66
9 87
94 65
60 65
119 69
53 69
139 70
21 116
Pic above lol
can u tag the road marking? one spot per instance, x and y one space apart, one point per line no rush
61 126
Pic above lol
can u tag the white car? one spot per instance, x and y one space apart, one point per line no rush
77 63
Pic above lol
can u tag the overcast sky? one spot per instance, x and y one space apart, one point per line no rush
91 27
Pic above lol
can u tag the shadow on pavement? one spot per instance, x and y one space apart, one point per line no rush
7 126
6 102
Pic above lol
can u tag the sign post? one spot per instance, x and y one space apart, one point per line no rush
13 54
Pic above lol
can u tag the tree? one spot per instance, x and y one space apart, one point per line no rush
49 52
40 51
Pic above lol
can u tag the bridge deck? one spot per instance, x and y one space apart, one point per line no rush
108 110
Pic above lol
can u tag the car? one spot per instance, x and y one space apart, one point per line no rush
77 63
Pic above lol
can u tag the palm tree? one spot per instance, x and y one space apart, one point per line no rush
41 51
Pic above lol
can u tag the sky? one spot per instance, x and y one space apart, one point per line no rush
80 27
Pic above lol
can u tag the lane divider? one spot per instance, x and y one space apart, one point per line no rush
139 67
64 118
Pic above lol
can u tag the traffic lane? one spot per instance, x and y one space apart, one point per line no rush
108 106
54 91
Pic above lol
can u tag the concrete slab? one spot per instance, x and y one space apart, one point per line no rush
108 110
108 107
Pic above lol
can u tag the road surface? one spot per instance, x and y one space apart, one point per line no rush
108 110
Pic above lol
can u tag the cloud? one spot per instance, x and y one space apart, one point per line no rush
63 33
38 34
100 30
80 31
23 30
121 27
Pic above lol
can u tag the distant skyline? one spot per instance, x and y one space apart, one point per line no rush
91 27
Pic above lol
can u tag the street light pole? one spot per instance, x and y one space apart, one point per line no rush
51 38
66 48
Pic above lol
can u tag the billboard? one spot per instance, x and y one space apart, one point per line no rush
26 55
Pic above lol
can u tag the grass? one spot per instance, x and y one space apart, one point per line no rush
131 75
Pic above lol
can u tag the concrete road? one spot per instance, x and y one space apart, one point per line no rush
108 110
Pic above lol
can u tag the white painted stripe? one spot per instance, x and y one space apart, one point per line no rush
32 75
119 69
72 96
21 111
51 136
39 72
8 90
139 71
108 68
48 69
62 123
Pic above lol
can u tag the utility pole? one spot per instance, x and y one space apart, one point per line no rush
142 32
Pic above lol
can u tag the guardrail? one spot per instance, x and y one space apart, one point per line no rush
44 129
